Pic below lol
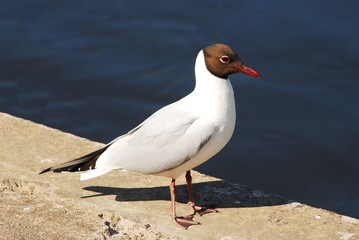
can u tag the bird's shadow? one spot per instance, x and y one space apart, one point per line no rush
221 194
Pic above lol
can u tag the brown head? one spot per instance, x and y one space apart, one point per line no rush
222 61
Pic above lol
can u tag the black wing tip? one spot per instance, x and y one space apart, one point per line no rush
50 169
79 164
46 170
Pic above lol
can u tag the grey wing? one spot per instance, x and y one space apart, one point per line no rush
164 141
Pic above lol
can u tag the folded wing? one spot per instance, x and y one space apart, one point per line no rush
164 141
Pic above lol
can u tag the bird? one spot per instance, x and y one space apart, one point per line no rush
178 137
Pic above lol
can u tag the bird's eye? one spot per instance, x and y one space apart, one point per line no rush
224 59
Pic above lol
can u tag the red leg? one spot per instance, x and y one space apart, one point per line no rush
183 222
189 188
197 209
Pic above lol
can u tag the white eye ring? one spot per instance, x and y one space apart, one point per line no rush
224 59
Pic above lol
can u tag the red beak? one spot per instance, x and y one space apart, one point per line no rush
248 71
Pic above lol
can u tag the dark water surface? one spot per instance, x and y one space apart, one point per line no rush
98 68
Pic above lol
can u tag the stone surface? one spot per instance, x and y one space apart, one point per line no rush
126 205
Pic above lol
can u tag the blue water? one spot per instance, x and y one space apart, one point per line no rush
98 68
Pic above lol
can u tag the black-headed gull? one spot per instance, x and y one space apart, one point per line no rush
178 137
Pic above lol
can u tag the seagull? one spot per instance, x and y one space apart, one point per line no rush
179 136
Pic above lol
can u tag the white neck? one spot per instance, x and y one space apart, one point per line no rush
203 76
214 95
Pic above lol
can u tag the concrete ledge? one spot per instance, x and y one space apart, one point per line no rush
126 205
